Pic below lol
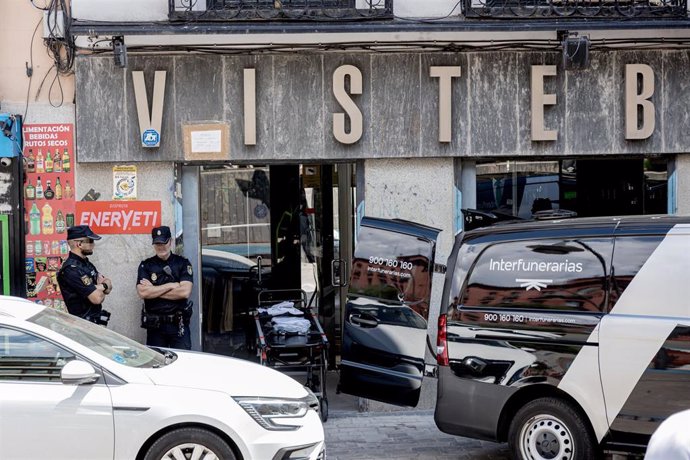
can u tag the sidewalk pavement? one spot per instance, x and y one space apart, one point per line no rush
403 435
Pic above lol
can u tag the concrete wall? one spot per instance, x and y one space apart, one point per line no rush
118 256
491 114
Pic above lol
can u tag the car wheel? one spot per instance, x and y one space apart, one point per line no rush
551 429
190 443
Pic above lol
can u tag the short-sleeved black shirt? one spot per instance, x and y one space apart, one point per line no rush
77 279
159 272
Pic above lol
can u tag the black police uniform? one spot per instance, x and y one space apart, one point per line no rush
77 279
167 318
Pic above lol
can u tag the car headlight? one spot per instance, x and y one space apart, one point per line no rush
268 412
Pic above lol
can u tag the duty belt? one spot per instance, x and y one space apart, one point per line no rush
172 318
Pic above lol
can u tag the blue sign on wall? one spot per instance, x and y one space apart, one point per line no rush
151 138
10 135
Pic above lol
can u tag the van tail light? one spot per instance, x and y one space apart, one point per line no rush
442 341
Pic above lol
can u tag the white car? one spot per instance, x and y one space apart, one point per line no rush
70 389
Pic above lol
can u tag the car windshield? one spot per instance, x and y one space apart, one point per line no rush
99 339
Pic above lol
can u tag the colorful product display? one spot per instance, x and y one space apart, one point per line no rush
49 206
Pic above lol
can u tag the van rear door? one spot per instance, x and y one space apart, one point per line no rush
385 322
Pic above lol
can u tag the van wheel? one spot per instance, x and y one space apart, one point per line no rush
550 429
188 443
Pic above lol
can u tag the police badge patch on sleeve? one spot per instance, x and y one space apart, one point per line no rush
189 269
86 280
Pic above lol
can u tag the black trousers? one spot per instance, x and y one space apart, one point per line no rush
167 336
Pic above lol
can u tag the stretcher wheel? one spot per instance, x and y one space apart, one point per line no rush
323 409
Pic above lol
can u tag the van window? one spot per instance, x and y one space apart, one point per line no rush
553 274
630 254
394 268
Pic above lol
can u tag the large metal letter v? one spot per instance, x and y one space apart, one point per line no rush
149 122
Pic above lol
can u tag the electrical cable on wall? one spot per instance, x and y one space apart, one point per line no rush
60 46
60 43
30 67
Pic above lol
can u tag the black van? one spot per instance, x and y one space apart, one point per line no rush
564 338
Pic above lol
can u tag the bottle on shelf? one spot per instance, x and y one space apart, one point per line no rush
40 166
30 162
66 165
70 219
58 189
57 161
49 162
47 222
39 189
29 191
68 190
60 226
49 192
34 220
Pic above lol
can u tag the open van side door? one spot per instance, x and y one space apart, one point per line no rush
385 323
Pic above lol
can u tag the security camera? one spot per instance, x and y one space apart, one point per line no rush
5 161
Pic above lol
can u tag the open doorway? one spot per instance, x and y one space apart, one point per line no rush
272 227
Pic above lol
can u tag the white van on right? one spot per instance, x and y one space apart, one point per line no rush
564 338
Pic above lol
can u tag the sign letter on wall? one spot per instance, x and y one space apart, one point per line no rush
347 104
635 100
539 100
149 123
445 99
249 106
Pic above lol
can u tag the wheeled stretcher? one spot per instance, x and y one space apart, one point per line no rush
291 340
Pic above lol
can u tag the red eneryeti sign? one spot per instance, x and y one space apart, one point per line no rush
118 217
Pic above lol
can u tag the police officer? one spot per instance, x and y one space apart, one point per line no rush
82 287
165 284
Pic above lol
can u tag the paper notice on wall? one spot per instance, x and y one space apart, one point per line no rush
125 182
206 141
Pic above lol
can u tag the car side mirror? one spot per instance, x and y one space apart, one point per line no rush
78 372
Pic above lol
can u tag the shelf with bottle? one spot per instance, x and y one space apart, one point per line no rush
51 162
42 219
48 187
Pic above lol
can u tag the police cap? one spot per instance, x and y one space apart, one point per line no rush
81 231
160 234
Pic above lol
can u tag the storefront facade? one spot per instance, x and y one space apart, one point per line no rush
426 134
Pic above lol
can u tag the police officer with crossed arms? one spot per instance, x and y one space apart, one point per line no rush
165 284
83 287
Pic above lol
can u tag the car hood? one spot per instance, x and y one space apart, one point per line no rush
235 377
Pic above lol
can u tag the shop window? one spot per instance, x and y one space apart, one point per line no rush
563 274
518 188
25 357
235 212
588 187
235 232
